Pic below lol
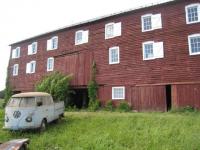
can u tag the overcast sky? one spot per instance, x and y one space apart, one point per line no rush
20 19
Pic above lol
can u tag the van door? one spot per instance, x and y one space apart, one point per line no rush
48 102
40 112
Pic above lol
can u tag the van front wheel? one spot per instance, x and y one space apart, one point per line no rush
43 125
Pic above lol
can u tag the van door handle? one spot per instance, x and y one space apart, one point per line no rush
46 109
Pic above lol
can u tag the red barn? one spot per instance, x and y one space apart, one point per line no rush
147 56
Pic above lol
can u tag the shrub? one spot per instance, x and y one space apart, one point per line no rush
71 108
109 106
56 84
8 92
123 107
183 110
94 105
2 94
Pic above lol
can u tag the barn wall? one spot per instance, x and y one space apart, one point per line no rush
186 95
149 98
177 66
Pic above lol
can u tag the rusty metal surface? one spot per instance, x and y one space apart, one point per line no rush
14 144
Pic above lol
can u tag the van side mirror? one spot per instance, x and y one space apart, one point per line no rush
39 104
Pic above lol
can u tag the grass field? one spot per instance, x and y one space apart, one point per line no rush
116 131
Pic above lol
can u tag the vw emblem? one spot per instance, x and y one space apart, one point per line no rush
16 114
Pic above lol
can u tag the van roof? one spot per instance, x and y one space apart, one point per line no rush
31 94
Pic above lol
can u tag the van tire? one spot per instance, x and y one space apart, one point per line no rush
43 125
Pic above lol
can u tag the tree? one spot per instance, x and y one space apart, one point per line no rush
55 84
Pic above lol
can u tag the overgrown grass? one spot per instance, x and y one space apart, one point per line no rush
1 103
116 131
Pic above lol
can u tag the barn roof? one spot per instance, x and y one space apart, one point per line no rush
96 19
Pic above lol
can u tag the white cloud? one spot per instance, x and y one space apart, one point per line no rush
21 19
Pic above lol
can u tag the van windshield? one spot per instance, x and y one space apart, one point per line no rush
22 102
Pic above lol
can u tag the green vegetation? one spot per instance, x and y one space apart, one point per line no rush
7 92
56 84
109 106
1 103
123 107
94 104
116 131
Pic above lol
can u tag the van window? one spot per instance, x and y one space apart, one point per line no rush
22 102
27 102
47 100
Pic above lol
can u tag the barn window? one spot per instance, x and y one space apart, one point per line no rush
30 67
194 44
151 22
112 30
114 55
32 48
81 37
15 69
118 93
52 43
16 52
147 23
192 13
153 50
50 64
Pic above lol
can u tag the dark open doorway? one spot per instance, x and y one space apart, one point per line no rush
168 97
79 98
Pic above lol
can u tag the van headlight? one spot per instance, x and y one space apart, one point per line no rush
29 119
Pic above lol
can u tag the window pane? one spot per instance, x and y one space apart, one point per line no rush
14 102
118 93
114 55
110 30
147 23
27 102
54 43
50 62
148 51
195 44
193 14
79 37
34 48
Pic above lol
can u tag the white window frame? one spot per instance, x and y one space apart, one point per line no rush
85 37
110 56
158 50
15 69
15 52
116 33
186 12
30 48
48 61
29 68
144 16
189 43
152 22
50 43
118 98
143 49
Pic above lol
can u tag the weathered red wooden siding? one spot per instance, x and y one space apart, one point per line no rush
186 95
149 98
77 64
177 66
